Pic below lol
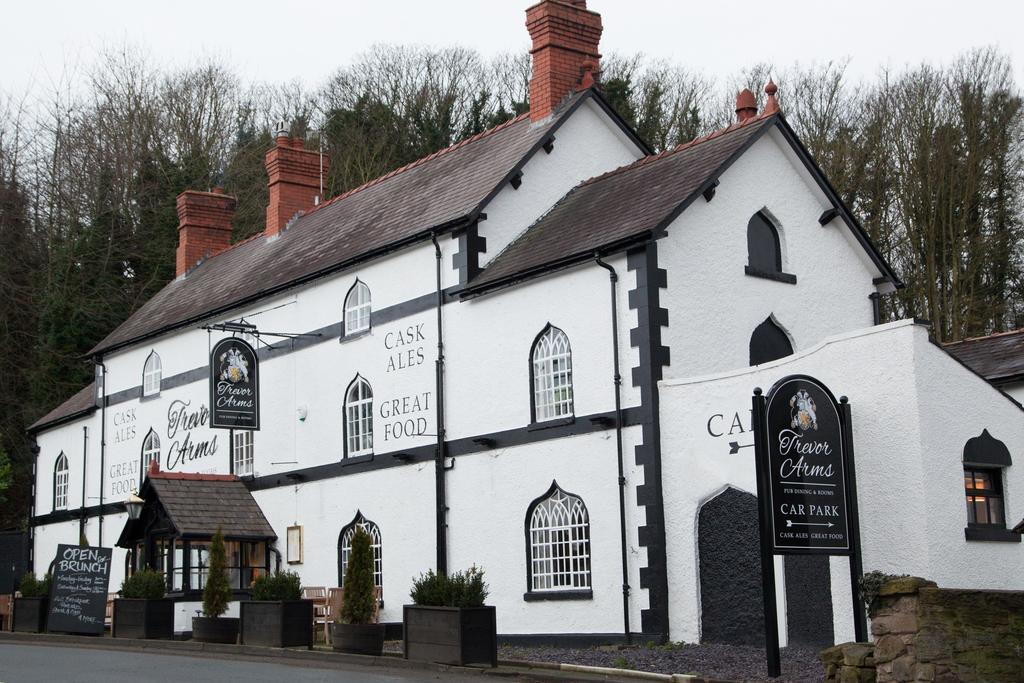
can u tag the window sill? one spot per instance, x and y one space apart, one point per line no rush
778 277
991 533
148 397
356 459
540 596
355 335
547 424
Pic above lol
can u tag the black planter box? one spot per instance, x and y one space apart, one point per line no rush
30 614
215 629
451 635
358 639
277 623
148 619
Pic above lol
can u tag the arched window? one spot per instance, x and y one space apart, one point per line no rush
345 548
985 461
558 542
152 372
60 482
551 368
150 452
357 309
769 342
764 250
358 418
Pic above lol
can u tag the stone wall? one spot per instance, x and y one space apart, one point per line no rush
924 633
850 663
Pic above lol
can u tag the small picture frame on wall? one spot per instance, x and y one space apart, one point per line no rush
295 545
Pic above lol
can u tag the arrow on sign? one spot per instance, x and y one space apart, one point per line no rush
734 447
790 522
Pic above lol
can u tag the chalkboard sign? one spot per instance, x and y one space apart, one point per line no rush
807 468
234 386
78 595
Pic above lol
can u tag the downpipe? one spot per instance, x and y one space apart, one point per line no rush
613 279
440 486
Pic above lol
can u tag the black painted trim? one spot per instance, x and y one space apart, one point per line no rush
986 450
543 596
777 277
994 533
827 216
556 422
654 356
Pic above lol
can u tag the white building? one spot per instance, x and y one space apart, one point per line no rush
456 334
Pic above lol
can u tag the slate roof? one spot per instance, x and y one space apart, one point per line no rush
630 202
998 357
82 402
444 189
198 503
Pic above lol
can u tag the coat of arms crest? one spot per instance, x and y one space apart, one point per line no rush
802 410
234 367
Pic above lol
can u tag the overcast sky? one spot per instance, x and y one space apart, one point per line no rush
283 41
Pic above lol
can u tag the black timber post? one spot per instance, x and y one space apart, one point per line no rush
764 512
856 566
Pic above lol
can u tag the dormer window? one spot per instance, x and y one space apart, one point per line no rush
764 250
152 373
357 309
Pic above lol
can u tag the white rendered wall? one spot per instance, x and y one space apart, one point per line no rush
714 306
913 409
588 144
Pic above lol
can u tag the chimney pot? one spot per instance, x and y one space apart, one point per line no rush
746 105
772 105
565 37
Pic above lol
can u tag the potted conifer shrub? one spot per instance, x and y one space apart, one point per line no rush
142 611
213 626
448 622
277 616
31 607
355 630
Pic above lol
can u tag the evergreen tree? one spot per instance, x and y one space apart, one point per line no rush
217 593
360 592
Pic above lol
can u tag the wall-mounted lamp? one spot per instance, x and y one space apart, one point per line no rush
134 505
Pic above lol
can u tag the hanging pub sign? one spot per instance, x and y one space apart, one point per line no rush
806 468
234 385
78 592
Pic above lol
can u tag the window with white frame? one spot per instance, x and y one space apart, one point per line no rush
559 542
357 309
152 372
358 418
241 452
150 452
60 482
345 548
552 375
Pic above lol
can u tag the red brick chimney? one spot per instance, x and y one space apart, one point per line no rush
565 58
294 173
204 226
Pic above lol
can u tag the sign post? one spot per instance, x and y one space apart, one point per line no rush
78 594
234 385
807 495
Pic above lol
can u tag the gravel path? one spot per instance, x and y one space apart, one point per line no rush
729 662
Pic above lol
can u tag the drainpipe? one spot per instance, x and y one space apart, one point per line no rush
85 457
876 307
103 437
613 279
32 507
439 455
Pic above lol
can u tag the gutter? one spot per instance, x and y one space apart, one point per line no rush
613 279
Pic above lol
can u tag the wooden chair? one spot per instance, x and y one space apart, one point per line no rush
6 603
335 598
317 594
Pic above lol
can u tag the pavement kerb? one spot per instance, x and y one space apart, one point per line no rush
330 658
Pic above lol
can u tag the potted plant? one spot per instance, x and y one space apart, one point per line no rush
142 611
213 627
448 622
31 607
355 630
277 616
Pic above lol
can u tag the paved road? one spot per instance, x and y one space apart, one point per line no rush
48 664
